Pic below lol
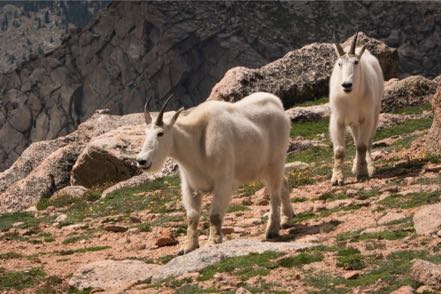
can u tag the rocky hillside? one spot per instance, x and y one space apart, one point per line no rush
376 236
32 28
134 50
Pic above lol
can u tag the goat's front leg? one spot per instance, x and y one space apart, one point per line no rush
337 132
221 199
192 204
274 184
362 155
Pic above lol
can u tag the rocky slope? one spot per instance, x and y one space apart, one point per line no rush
131 51
366 237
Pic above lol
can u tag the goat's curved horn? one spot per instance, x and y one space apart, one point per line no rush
147 116
354 44
340 50
159 121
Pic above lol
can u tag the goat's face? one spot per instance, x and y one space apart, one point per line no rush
158 140
349 70
347 66
156 147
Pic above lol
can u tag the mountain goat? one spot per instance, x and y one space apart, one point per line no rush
219 145
355 91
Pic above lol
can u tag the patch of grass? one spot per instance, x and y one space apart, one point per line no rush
300 259
350 259
243 266
411 200
314 102
73 290
50 285
19 280
83 250
76 237
363 195
309 129
153 196
237 207
10 255
250 189
298 199
406 127
329 196
145 227
418 109
299 178
355 236
8 219
165 258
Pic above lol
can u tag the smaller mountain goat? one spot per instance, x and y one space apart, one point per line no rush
355 92
219 145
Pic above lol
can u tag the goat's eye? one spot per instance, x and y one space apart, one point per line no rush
160 134
356 62
339 64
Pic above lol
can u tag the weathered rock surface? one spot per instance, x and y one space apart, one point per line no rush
133 50
410 91
112 275
206 256
434 135
309 113
427 219
301 75
427 273
46 167
73 191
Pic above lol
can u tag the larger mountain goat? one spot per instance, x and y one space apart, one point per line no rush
218 146
355 92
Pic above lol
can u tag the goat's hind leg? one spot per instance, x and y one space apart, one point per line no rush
287 211
192 203
274 183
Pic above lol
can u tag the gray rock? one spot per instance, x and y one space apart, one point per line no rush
112 275
434 136
427 273
73 191
410 91
427 219
300 75
206 256
309 113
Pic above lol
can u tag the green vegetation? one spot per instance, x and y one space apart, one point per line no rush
73 238
406 127
8 219
243 266
350 259
300 259
19 280
411 200
394 272
152 196
82 250
10 255
309 129
355 236
250 189
67 200
145 227
237 207
318 101
418 109
329 196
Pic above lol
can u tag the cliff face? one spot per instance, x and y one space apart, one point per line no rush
134 50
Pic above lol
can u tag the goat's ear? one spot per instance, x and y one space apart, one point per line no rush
175 116
361 51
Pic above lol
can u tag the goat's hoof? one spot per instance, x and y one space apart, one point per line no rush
215 240
286 222
272 236
186 248
339 182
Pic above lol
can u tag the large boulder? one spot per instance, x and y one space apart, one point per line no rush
301 75
206 256
427 219
113 275
427 273
410 91
434 135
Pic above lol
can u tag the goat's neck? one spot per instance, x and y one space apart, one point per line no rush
183 147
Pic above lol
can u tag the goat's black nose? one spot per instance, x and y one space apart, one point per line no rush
142 162
347 85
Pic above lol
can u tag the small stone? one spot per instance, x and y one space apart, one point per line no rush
351 192
115 228
404 290
409 181
262 202
431 167
427 219
239 230
242 290
17 224
227 230
376 155
296 166
164 237
352 275
425 289
358 186
439 233
390 217
262 194
318 207
61 218
390 189
135 219
83 241
426 273
203 237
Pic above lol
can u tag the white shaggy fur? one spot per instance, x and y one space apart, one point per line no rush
219 145
357 108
